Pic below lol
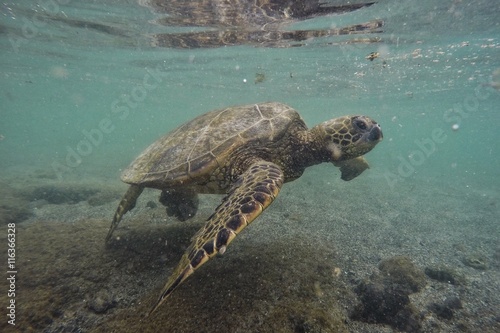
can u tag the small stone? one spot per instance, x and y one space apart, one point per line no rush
102 302
151 204
444 274
476 260
453 302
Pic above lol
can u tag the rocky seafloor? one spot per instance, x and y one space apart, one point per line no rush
327 256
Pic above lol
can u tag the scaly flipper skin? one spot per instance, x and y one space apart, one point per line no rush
253 191
127 203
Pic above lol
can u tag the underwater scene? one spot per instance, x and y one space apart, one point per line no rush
138 139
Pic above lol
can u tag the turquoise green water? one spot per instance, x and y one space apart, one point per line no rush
59 82
79 102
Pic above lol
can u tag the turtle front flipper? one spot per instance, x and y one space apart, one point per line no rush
352 168
127 203
253 191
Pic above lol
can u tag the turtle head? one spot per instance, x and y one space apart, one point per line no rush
349 136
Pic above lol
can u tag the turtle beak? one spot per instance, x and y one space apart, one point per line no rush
375 134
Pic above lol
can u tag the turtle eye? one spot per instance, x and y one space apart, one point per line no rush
360 124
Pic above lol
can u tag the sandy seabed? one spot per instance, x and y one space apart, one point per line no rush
327 256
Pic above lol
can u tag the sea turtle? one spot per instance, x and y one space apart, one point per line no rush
247 153
216 23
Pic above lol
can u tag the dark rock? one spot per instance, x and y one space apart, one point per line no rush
444 274
69 194
441 311
151 204
384 298
453 302
60 194
401 270
445 310
386 304
380 302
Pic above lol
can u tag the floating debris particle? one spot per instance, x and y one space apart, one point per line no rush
372 56
260 77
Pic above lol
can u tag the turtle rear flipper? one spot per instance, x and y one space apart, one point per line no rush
127 203
253 191
181 203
